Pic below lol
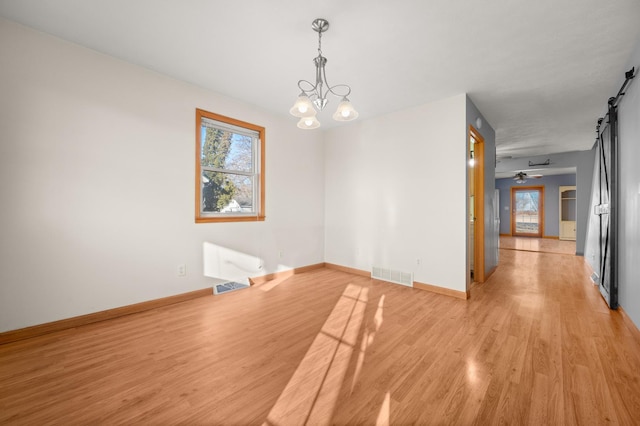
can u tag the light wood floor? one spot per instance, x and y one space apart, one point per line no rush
534 345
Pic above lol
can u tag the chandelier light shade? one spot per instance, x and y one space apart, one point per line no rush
309 123
313 96
302 107
345 111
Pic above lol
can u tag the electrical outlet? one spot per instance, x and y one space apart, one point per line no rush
182 270
280 254
418 261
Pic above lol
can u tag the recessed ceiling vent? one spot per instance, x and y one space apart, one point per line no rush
392 276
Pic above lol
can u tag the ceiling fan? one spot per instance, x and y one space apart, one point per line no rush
521 177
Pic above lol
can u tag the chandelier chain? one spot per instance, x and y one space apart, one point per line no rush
313 95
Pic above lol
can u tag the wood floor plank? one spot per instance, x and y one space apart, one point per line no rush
535 344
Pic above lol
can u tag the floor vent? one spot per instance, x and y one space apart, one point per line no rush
393 276
227 287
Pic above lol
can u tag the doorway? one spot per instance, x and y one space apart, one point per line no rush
527 211
475 172
568 209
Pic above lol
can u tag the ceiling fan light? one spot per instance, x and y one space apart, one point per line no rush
302 107
520 177
345 111
308 123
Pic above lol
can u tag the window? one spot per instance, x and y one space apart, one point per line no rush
229 169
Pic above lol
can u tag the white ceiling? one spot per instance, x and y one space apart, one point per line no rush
541 71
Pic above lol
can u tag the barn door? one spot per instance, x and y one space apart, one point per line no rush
606 209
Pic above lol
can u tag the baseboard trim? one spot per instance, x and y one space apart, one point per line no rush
284 274
420 286
348 270
464 295
551 237
73 322
505 235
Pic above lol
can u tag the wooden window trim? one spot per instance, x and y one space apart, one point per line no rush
260 214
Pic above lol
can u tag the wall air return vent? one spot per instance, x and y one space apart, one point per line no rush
392 276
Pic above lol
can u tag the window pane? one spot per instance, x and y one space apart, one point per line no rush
569 209
226 193
215 147
223 149
527 211
244 191
240 155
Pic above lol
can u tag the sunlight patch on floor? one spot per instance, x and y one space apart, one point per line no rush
385 411
311 394
472 373
367 340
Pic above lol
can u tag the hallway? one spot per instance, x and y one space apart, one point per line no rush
535 344
579 360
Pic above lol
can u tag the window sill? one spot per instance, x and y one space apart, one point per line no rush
230 219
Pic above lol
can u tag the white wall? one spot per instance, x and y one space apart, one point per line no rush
97 184
395 192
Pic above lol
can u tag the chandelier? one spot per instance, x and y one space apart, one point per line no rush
313 97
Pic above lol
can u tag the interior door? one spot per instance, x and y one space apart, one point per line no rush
605 197
606 209
527 211
567 212
476 205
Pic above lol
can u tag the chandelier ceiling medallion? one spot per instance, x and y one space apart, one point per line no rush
313 97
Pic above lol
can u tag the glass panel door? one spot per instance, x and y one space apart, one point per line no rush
527 212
